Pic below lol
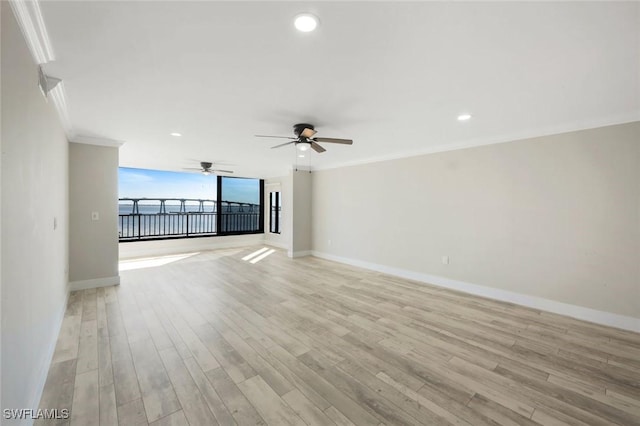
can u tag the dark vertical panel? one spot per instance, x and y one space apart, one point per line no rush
261 220
219 205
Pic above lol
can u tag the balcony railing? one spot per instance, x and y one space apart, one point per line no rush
146 219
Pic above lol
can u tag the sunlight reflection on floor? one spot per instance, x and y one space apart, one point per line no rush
258 255
151 262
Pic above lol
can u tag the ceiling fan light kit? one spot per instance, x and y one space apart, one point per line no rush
303 146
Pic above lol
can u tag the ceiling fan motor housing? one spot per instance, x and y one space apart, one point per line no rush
299 128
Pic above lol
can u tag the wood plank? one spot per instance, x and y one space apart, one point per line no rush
497 412
158 334
270 406
325 389
158 395
390 393
550 417
269 374
241 409
88 347
193 404
132 414
376 404
306 409
68 338
176 419
58 390
199 350
86 399
337 417
298 382
444 413
215 403
89 304
105 369
108 408
236 366
125 381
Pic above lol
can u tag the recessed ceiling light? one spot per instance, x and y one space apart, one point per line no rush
306 22
464 117
176 134
301 155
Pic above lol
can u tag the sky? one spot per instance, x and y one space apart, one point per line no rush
143 183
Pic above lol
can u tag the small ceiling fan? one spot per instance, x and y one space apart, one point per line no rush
206 169
304 138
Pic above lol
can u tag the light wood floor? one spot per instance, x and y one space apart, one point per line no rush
215 339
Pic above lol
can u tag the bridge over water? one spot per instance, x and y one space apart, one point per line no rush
157 218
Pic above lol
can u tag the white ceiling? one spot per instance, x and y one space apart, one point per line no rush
392 76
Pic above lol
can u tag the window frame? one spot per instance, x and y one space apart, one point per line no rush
261 209
218 209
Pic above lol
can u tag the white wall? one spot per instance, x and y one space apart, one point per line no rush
93 187
34 197
295 224
278 240
556 217
301 216
283 185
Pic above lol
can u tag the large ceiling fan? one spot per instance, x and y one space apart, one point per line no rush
304 138
206 168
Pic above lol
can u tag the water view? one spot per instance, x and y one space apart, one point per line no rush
184 205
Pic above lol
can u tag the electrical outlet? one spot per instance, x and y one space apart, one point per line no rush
445 260
95 216
329 242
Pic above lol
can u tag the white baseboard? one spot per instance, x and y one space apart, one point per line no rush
574 311
44 369
300 253
94 283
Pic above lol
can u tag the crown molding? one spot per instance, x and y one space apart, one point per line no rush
91 140
630 117
29 17
34 31
59 98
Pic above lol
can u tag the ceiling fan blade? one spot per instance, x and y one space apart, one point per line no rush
222 171
283 144
192 168
279 137
317 148
307 133
334 140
